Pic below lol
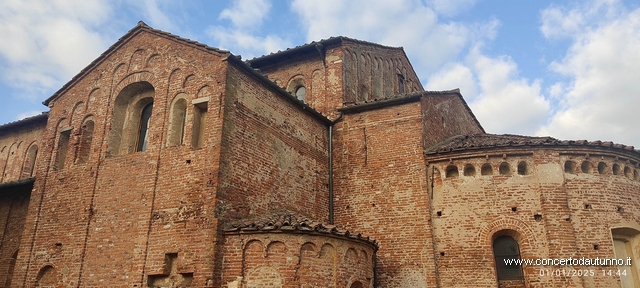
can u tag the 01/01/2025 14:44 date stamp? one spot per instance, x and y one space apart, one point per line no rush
582 272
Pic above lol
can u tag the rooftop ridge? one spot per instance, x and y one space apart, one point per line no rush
482 141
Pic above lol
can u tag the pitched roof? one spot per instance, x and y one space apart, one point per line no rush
283 221
407 98
33 120
310 47
124 39
481 141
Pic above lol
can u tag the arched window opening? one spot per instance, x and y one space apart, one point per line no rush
506 249
452 171
356 284
586 167
47 277
63 147
29 162
486 169
602 167
130 124
616 169
143 131
469 170
570 167
177 121
401 88
301 93
86 138
504 169
523 168
627 172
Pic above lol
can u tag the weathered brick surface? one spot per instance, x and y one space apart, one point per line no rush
15 143
121 214
381 190
295 260
14 202
446 115
550 218
274 155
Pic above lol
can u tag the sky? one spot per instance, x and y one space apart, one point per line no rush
566 69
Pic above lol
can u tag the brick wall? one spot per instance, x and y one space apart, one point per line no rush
544 209
323 83
17 140
274 156
123 213
282 259
14 202
446 115
381 190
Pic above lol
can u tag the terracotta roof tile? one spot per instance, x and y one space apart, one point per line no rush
287 221
480 141
313 44
40 118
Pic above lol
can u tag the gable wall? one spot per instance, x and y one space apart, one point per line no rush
275 154
371 73
323 84
445 116
116 209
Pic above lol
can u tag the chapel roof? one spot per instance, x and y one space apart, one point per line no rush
407 98
312 46
33 120
283 221
482 141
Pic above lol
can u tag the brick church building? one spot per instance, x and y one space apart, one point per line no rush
168 163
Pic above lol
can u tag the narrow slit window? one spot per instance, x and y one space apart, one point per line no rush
401 87
199 120
63 147
143 132
176 126
86 137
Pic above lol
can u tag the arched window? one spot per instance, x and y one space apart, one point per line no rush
177 121
505 250
29 162
86 137
301 93
297 87
63 147
143 130
130 124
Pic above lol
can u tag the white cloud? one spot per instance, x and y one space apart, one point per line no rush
413 25
27 114
47 42
454 75
507 103
451 7
247 17
246 13
602 99
154 14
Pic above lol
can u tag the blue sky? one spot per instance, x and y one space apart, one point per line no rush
567 69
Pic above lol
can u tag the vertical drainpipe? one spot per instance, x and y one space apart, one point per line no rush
331 219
